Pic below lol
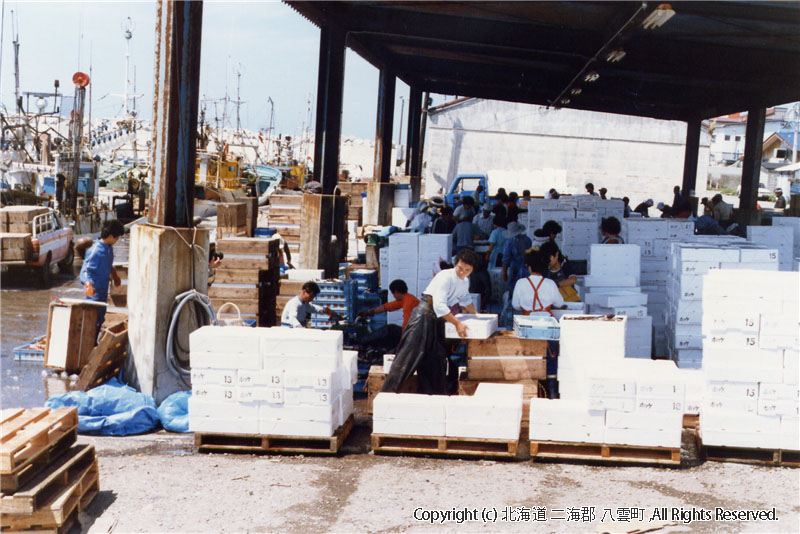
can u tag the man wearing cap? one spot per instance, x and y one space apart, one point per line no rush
422 218
484 221
603 192
780 200
514 248
642 208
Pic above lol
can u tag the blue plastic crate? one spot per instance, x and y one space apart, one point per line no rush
24 353
536 327
264 232
365 278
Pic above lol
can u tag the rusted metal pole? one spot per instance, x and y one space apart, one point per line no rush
383 126
690 158
416 168
412 139
751 165
178 35
330 88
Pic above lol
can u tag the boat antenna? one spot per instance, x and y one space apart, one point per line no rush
127 32
15 42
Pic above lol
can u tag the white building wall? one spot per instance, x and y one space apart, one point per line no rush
631 156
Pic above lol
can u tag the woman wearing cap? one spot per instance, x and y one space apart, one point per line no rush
517 243
535 295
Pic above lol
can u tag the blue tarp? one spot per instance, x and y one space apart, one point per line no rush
174 412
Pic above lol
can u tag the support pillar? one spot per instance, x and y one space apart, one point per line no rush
330 88
416 166
412 142
178 36
383 126
690 158
323 234
751 165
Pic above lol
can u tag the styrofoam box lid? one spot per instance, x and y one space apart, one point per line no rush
497 391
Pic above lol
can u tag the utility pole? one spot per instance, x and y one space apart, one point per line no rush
400 130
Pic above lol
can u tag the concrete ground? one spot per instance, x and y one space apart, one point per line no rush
158 483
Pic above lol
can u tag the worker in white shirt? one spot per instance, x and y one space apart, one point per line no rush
422 346
299 309
535 295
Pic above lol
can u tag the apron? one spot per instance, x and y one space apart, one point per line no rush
537 307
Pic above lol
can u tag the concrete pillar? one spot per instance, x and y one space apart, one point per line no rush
159 269
330 88
383 126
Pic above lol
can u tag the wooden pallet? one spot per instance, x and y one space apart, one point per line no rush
605 453
249 443
66 527
742 455
107 358
26 435
444 446
65 473
58 512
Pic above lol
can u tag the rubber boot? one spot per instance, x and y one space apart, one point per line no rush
552 388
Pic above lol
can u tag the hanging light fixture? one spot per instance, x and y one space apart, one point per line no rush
658 17
591 77
615 55
575 91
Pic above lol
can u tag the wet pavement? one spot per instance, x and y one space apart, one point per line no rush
23 317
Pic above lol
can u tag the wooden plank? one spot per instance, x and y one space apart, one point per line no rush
27 435
106 358
509 369
280 200
51 482
291 287
253 443
324 216
605 452
257 263
245 306
444 446
226 292
291 213
506 343
257 246
225 275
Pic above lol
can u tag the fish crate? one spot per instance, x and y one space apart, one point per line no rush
536 327
32 351
263 444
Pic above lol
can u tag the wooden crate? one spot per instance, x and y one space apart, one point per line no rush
232 215
742 455
382 443
71 334
12 218
599 452
504 356
224 275
375 381
250 443
119 295
278 199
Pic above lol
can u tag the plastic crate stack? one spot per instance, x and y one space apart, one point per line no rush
612 288
270 381
654 237
607 398
794 224
690 263
338 295
750 360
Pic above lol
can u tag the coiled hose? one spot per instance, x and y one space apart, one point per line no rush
205 316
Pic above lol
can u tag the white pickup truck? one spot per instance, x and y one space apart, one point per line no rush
35 238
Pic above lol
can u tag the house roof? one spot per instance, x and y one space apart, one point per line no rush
708 60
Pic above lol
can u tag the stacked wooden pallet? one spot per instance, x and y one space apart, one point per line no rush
44 477
285 215
248 277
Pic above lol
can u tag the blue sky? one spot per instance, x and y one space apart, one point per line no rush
274 48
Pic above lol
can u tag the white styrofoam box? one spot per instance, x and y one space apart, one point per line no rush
405 427
410 406
659 405
791 366
794 224
281 427
617 298
325 345
697 267
439 243
252 394
304 275
779 407
567 432
474 409
753 254
510 392
570 308
688 312
249 377
582 334
623 404
479 326
790 433
643 438
350 361
225 340
689 341
748 423
310 396
778 391
654 228
779 237
727 318
621 281
604 386
401 215
214 393
481 430
692 355
680 229
320 413
772 359
728 405
731 390
779 325
585 214
631 312
223 425
318 379
701 252
200 407
559 411
213 377
346 405
661 387
737 373
672 421
740 439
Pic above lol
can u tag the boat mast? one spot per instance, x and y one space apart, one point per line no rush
15 42
127 26
269 130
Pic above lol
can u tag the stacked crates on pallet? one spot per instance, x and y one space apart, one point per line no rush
794 224
750 360
339 296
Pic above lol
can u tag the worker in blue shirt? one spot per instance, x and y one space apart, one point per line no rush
98 266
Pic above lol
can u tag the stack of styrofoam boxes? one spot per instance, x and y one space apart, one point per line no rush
493 412
654 237
402 196
750 360
270 381
690 263
403 265
579 234
612 288
433 248
780 238
606 398
794 223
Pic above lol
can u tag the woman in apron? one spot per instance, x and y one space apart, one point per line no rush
535 295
